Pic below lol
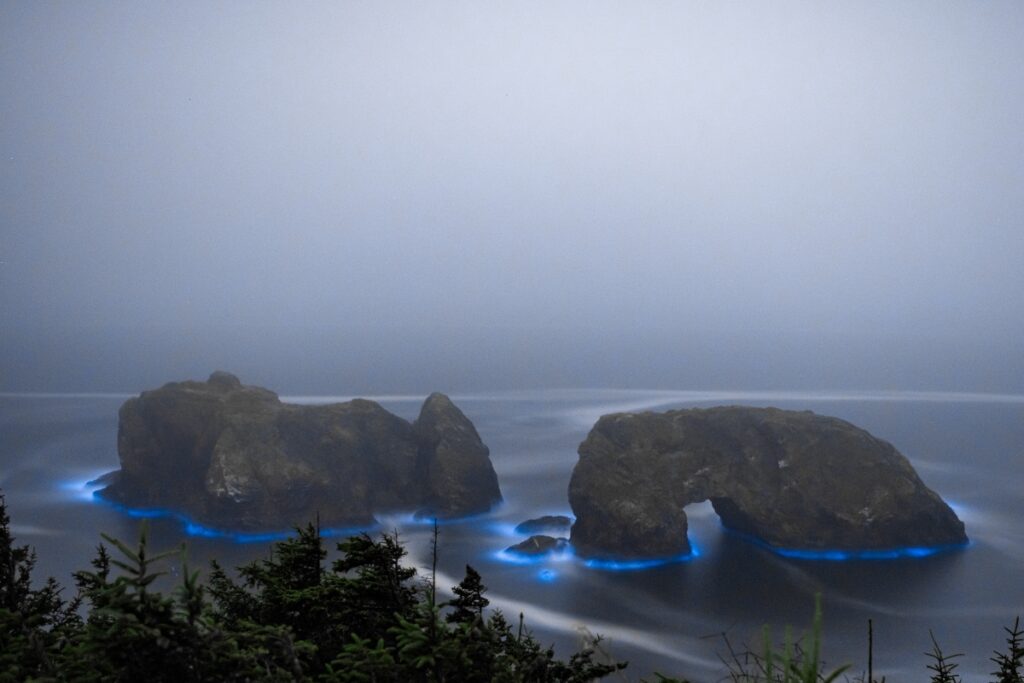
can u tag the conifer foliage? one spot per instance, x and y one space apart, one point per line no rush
364 618
32 621
469 602
286 618
1011 662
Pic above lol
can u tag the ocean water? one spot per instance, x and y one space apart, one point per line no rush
669 617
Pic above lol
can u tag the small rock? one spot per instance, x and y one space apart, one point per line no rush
539 545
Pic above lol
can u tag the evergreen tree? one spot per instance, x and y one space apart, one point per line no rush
469 601
287 618
136 633
31 620
1011 662
289 590
377 586
361 661
942 665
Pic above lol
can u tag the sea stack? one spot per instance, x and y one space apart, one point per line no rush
236 457
793 480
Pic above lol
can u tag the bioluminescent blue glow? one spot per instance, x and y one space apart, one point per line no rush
567 554
511 557
547 575
886 554
83 488
193 528
198 530
630 565
87 490
848 555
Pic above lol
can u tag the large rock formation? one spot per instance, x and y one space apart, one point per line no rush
794 480
235 456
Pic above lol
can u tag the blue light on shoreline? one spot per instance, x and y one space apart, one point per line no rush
193 528
93 493
567 554
509 557
89 490
868 555
624 565
838 555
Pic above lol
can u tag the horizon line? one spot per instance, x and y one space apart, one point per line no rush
682 395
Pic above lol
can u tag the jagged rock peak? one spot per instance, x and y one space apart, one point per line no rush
438 410
459 471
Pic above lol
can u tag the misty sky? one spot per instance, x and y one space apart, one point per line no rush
374 196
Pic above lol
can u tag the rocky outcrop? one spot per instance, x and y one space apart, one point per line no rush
794 480
455 466
545 523
538 545
235 456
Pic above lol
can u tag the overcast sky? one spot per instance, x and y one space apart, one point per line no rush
382 196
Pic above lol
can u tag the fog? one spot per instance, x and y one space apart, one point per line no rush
370 197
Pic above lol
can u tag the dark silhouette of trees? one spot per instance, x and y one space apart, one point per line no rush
366 618
285 618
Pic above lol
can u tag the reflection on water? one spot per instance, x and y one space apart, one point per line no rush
657 615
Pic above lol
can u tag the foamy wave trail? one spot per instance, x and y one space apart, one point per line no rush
681 649
987 528
83 485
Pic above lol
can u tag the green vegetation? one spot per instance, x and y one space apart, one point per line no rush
790 665
365 618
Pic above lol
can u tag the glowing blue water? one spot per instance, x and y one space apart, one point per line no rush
192 528
846 555
966 450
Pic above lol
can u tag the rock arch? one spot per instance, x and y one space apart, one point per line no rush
794 480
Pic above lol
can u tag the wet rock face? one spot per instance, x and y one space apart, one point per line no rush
792 479
455 463
234 456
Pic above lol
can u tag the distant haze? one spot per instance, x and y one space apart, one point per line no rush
360 197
